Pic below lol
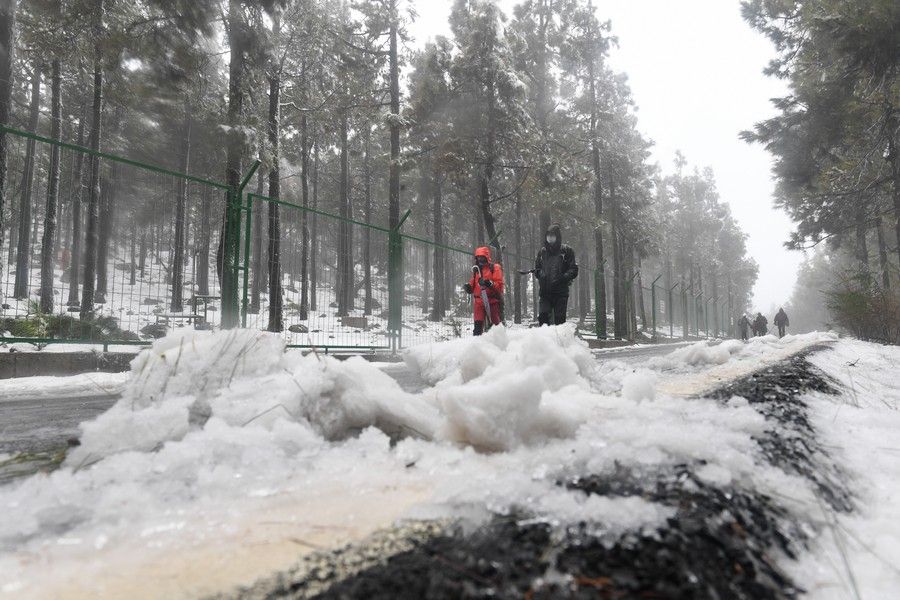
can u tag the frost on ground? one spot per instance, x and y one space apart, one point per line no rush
219 433
857 554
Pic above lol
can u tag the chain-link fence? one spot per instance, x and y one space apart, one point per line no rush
99 248
113 250
347 284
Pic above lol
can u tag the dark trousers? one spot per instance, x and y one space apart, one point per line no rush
781 331
552 310
744 334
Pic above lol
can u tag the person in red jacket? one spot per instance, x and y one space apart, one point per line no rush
487 276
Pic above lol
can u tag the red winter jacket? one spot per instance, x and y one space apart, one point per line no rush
492 271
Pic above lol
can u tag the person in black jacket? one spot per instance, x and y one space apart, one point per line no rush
781 321
760 325
555 269
744 325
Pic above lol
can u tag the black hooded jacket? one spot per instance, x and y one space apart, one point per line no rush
555 266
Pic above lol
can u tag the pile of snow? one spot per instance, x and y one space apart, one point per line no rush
497 392
707 353
191 380
215 424
561 357
507 387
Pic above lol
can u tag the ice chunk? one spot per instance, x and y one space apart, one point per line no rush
639 385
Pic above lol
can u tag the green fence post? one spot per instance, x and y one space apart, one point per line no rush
230 243
395 283
231 251
247 234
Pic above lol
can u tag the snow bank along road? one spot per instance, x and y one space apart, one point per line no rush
227 459
40 414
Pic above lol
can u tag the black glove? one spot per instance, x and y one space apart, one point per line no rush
486 283
468 288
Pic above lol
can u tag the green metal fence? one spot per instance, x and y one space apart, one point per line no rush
348 284
166 250
146 238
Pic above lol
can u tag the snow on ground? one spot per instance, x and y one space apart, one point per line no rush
63 347
84 385
858 554
704 366
227 456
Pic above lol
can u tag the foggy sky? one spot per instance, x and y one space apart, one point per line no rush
695 70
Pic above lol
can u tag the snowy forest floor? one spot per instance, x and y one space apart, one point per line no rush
521 465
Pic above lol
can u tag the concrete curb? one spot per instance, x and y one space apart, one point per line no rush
30 364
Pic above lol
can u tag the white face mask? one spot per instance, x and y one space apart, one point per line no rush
551 239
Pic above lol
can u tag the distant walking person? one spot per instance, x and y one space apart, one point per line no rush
486 284
781 321
760 325
744 325
555 269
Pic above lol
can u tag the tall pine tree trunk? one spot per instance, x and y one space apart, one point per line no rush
517 282
619 314
439 305
639 288
23 250
180 206
304 218
314 232
717 325
132 267
367 209
341 283
894 160
93 212
256 281
227 250
108 193
598 211
108 200
275 299
536 242
47 243
7 48
584 299
862 248
882 255
394 122
77 190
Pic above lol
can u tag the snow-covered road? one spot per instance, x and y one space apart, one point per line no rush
226 459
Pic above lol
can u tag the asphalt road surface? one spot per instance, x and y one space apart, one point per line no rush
44 425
